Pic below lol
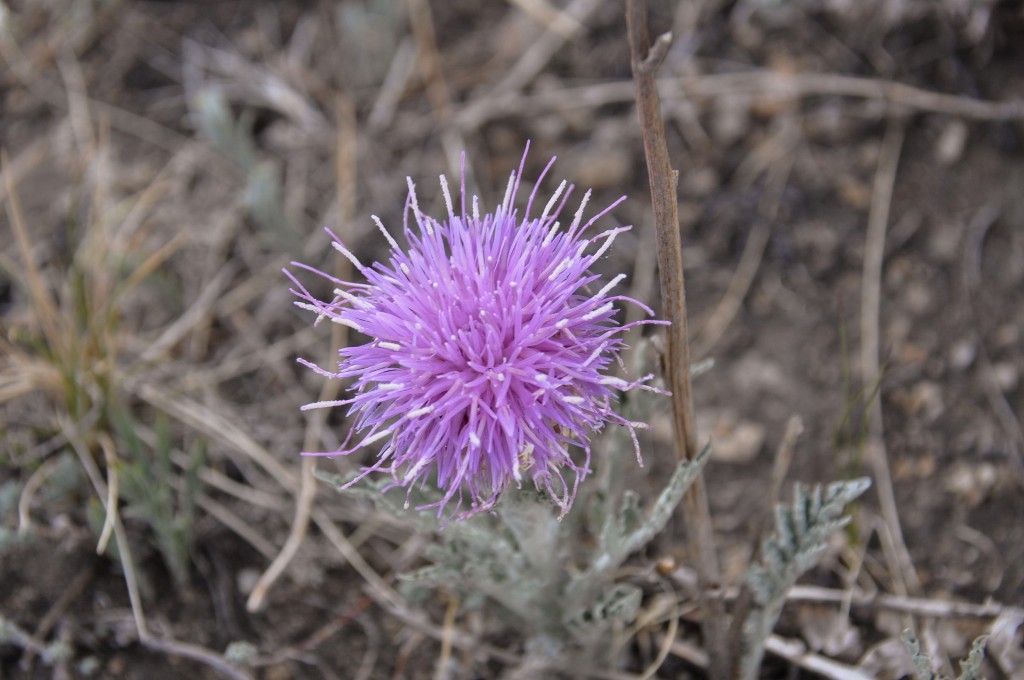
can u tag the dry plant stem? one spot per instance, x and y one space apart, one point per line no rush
645 61
792 651
346 173
977 230
13 633
429 59
665 646
110 456
915 606
796 653
28 492
30 158
42 303
391 90
236 524
871 295
432 73
441 672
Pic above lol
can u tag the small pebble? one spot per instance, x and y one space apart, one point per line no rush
246 580
949 147
1008 335
963 354
1006 375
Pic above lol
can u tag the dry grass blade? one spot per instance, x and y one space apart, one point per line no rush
217 427
977 230
236 524
195 314
558 30
28 492
42 303
441 671
110 456
796 652
871 295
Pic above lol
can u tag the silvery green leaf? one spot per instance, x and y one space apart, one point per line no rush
801 538
970 668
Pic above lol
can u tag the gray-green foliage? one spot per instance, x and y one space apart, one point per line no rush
263 197
12 634
241 653
156 494
370 32
556 581
970 668
557 588
801 537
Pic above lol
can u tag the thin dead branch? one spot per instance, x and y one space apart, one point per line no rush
977 231
645 59
754 82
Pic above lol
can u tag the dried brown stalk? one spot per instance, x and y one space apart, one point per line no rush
346 168
645 60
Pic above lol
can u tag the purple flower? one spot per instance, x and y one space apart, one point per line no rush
489 342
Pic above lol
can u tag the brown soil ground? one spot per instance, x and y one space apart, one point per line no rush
790 123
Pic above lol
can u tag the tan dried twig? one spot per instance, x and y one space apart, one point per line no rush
441 671
796 653
645 59
792 651
977 231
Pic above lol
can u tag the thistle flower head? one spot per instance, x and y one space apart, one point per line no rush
489 338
